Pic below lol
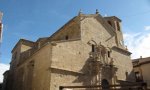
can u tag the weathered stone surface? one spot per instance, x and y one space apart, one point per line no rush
65 58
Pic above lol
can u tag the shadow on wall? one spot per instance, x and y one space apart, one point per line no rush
93 75
107 72
86 78
130 79
130 76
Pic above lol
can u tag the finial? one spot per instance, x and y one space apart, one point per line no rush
97 11
80 12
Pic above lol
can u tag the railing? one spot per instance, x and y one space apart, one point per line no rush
134 86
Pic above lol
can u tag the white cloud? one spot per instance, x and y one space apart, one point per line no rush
147 28
138 44
3 68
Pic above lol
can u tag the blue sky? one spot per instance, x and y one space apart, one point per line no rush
31 19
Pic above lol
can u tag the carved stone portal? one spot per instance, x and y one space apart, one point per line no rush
101 63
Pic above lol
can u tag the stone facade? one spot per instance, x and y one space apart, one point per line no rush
141 69
85 51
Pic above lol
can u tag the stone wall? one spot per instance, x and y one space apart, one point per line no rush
69 31
123 62
65 59
74 55
92 29
70 66
36 73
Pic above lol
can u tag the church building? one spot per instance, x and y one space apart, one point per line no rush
88 50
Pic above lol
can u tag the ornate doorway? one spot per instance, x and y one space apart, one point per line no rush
105 84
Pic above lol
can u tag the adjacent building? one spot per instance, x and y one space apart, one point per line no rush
141 69
87 50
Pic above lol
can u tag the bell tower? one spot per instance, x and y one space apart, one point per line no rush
115 23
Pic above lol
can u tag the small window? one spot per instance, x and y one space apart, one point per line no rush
93 48
109 22
118 26
108 53
67 37
138 76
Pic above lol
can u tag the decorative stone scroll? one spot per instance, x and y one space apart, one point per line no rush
100 53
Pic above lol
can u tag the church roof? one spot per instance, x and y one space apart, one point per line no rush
63 27
113 17
76 19
80 17
41 39
24 41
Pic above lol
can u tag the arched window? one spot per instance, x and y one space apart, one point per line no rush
108 53
118 26
93 48
109 22
105 84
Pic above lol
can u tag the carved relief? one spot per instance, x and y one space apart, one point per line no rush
101 62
